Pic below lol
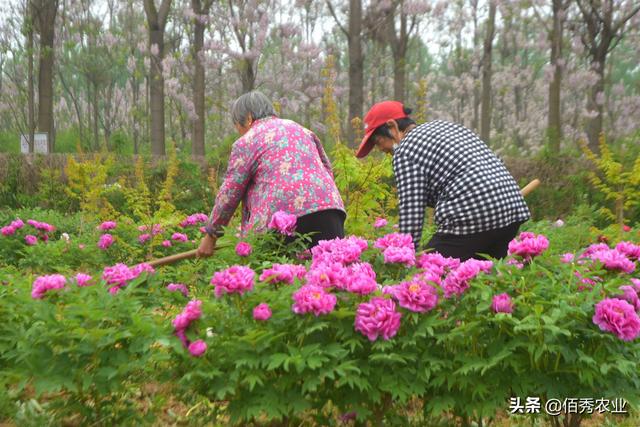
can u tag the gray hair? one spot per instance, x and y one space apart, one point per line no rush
253 103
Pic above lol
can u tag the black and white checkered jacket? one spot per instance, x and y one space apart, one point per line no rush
446 166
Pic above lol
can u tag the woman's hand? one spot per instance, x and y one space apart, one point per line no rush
207 245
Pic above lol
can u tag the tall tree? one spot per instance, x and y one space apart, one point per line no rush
249 21
353 33
556 40
201 10
487 59
605 24
398 21
28 28
157 22
44 14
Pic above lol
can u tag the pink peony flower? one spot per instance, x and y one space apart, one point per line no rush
394 239
17 224
457 281
262 312
314 299
83 279
117 276
612 259
358 278
181 322
631 296
279 273
283 222
193 310
166 243
585 281
502 304
567 258
416 296
380 222
197 348
343 251
400 255
107 225
144 237
528 245
619 317
626 228
42 226
178 287
377 318
30 239
428 276
44 284
596 247
514 262
237 279
437 263
105 241
8 230
243 249
138 269
636 284
180 237
630 250
326 275
194 219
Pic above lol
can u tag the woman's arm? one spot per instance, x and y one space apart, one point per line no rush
239 172
323 155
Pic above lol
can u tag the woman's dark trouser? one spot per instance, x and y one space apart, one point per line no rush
493 243
325 225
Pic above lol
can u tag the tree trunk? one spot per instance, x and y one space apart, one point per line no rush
30 80
356 61
475 123
594 125
46 14
248 76
136 114
554 119
399 75
156 94
156 21
95 112
198 123
485 118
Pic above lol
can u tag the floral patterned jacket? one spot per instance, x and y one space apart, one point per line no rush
277 165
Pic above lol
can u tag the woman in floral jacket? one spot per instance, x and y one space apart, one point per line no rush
275 165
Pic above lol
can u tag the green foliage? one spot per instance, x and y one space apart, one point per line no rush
86 181
618 184
84 344
365 188
83 354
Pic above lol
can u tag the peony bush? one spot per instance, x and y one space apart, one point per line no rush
358 328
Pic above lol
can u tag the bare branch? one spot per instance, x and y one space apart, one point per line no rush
335 18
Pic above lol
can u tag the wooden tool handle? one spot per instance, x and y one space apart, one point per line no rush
173 258
530 187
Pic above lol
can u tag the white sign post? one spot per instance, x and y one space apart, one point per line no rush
40 143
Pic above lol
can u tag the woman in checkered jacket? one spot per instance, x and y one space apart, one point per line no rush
443 165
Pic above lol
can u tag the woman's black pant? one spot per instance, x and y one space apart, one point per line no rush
325 225
494 243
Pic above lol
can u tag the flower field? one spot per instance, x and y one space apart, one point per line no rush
362 329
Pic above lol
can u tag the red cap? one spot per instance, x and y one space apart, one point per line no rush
378 115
